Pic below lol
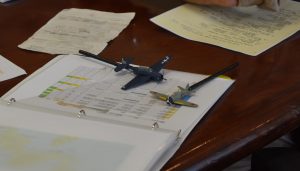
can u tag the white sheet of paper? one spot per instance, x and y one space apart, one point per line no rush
34 140
74 29
249 30
9 70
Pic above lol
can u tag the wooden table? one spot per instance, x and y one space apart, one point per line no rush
262 105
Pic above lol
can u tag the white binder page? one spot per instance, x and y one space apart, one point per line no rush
34 141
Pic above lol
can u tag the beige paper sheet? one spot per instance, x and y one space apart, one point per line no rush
74 29
249 30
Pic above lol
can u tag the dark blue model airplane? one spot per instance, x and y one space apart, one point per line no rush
143 74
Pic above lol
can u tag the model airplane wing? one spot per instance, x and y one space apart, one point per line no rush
136 81
160 64
184 103
159 95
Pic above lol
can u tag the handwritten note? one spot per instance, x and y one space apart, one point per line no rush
9 70
249 30
74 29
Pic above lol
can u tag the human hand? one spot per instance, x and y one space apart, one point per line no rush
224 3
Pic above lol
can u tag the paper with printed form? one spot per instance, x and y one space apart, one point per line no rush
9 70
249 30
74 29
74 83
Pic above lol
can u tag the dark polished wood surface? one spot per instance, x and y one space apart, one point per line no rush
262 105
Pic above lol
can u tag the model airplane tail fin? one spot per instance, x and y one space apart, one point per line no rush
187 86
183 89
125 64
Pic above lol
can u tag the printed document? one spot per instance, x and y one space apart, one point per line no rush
9 70
249 30
81 89
74 29
74 83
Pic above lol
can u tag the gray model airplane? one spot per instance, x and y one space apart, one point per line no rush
143 74
177 98
181 95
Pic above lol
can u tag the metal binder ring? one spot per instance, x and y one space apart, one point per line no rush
178 134
155 125
11 100
81 113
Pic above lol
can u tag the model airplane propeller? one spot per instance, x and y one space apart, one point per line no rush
179 96
143 74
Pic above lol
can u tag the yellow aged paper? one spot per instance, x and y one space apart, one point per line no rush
249 30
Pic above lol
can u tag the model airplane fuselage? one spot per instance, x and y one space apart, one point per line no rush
180 94
157 76
143 74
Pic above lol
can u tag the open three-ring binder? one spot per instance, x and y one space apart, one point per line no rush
72 115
